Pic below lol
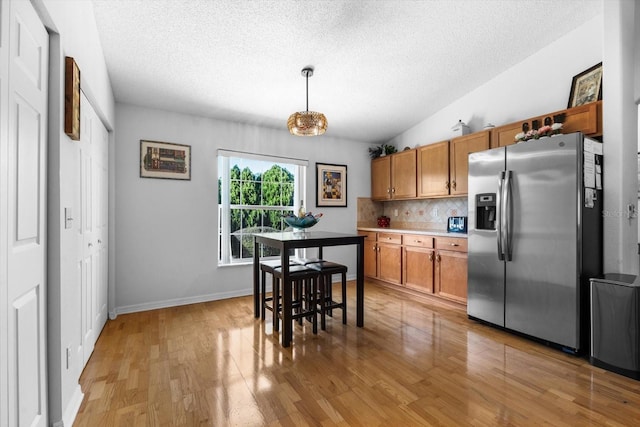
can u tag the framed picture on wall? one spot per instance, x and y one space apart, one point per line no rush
71 98
331 185
165 160
586 87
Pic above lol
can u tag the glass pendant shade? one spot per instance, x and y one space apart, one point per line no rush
307 123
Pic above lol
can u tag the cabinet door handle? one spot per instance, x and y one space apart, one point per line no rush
417 241
431 257
453 184
454 244
388 190
388 238
438 258
374 248
446 185
393 190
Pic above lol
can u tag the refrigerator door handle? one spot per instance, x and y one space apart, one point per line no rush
508 216
499 218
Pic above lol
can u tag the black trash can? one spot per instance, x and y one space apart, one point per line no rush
615 324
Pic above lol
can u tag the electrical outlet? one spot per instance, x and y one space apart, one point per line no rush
395 212
435 211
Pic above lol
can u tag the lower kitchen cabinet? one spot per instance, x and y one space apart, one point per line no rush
418 257
428 264
383 256
370 253
450 275
390 257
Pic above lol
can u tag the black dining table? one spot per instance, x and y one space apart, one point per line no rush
287 240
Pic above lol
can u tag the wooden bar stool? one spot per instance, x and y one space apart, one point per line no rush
305 287
325 300
268 267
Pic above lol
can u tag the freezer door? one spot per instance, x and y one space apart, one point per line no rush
542 279
485 284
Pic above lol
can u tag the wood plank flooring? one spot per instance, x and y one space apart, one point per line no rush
416 362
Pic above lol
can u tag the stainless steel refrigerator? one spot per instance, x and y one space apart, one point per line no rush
535 237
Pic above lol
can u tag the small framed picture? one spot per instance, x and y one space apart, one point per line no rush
71 98
331 185
165 160
586 87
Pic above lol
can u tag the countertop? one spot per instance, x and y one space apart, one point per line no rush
413 231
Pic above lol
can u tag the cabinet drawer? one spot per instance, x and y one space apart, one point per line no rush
370 236
390 238
417 240
451 244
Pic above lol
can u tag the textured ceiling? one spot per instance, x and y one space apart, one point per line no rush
380 66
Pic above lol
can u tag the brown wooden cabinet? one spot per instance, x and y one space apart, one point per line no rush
443 166
393 177
450 277
380 178
390 257
370 253
459 150
585 118
431 265
417 262
383 256
433 169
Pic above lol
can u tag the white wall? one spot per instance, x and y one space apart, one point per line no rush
540 84
72 33
166 230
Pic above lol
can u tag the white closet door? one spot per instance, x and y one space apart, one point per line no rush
100 142
86 237
92 229
26 215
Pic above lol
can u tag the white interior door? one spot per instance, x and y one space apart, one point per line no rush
26 215
87 249
93 226
100 159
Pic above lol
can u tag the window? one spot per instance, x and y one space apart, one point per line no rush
254 192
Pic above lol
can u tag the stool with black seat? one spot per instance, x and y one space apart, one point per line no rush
305 287
268 266
326 270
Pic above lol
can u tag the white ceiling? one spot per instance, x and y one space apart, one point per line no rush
380 66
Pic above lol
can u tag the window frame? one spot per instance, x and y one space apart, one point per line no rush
224 157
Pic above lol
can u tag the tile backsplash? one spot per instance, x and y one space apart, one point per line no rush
430 214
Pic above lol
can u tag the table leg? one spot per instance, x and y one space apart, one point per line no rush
360 284
256 278
287 331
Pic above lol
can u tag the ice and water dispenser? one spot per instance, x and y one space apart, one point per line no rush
486 211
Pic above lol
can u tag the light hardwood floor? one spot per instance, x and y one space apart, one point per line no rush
415 362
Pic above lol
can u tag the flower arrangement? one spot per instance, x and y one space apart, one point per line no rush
382 150
547 130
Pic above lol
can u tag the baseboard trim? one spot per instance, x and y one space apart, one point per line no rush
73 407
135 308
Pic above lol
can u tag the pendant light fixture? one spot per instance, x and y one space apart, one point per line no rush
307 123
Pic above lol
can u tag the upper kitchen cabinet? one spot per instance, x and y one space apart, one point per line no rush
394 176
443 166
459 151
585 118
433 169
